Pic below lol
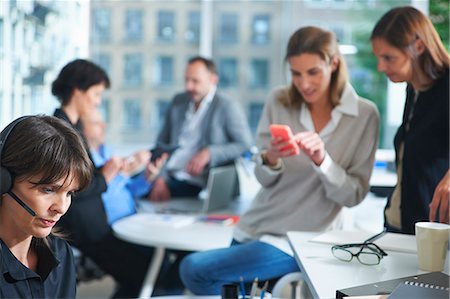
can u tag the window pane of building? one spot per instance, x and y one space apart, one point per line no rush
132 69
104 61
255 110
133 25
101 25
164 70
259 75
132 114
228 32
1 33
105 110
166 25
228 74
161 109
193 32
261 29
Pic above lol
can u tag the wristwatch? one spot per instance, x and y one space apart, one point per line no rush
260 158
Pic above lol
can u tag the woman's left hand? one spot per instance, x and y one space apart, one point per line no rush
441 200
312 145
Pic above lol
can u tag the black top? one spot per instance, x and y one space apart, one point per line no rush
86 220
426 150
55 276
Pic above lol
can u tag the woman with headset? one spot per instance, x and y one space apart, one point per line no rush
43 162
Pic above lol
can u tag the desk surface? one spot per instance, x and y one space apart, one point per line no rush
325 274
198 236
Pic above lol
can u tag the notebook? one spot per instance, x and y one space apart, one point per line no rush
218 194
388 286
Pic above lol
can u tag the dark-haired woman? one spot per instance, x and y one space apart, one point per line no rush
34 262
79 87
409 49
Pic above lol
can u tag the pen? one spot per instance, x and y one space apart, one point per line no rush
242 287
263 290
377 236
254 288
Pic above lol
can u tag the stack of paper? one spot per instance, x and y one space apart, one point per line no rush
388 241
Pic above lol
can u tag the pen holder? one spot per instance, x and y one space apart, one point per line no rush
230 291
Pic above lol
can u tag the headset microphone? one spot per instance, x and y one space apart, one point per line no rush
6 179
20 202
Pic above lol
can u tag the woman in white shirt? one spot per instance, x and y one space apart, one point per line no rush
336 132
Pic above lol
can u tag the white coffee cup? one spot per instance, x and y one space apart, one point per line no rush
432 245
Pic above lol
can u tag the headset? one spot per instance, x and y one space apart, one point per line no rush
6 178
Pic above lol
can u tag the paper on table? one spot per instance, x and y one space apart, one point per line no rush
171 220
389 241
398 242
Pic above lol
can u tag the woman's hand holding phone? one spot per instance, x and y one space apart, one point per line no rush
283 140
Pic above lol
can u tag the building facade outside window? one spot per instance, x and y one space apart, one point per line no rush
103 60
259 73
133 25
261 29
228 30
101 25
193 32
164 70
166 25
132 70
228 72
132 114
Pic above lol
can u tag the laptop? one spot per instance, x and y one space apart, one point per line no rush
217 195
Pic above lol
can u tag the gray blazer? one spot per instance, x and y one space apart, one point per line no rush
225 130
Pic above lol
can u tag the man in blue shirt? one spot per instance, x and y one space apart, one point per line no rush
132 182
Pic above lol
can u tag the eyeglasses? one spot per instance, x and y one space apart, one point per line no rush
368 253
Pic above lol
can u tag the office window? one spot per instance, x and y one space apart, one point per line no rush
104 61
228 73
228 33
1 33
105 110
261 29
166 25
132 70
259 73
101 25
161 109
193 32
164 70
255 110
133 25
132 114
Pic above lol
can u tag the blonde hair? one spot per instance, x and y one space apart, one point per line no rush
314 40
401 27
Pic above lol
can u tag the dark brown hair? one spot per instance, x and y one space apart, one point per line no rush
80 74
47 147
314 40
401 27
209 64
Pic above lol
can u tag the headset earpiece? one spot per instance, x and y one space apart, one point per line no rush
6 179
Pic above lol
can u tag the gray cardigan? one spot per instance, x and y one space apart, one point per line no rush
300 196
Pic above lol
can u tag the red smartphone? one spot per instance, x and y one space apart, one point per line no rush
284 132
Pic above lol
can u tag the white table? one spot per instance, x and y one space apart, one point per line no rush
198 236
324 274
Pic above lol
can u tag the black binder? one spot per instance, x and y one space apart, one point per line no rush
387 287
